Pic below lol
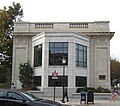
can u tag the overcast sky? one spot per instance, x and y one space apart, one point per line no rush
74 10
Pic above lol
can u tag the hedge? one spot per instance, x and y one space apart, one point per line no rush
97 90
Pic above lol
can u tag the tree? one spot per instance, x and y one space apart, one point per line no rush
115 71
26 75
8 16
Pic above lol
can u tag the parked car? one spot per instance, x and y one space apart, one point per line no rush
23 98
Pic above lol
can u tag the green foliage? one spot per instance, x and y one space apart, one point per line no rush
97 90
26 75
102 90
85 89
8 16
115 71
34 88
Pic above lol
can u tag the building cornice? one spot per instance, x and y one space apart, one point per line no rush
81 33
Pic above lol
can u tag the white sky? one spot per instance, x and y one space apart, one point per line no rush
74 10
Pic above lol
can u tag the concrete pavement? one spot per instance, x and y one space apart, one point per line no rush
97 102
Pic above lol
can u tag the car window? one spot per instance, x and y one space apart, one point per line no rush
30 96
2 94
15 96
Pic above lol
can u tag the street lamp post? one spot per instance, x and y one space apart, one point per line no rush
63 61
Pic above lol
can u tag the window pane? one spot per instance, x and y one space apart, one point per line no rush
65 50
2 94
52 50
81 64
38 55
80 47
85 48
15 96
51 44
37 80
81 55
65 44
81 81
85 57
58 45
57 52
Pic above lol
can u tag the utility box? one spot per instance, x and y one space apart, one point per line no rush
83 97
90 96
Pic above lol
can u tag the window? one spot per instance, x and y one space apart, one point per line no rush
2 94
58 50
81 55
58 82
37 80
38 55
81 81
15 96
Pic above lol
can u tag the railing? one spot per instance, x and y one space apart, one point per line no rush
44 25
78 25
71 25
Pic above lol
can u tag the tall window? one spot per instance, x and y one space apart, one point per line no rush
58 82
81 55
81 81
58 50
38 55
37 80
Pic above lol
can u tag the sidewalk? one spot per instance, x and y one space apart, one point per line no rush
97 102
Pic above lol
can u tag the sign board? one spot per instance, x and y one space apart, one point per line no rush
55 75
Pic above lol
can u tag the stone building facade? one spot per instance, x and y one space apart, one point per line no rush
84 45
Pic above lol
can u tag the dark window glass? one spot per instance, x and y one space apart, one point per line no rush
38 55
58 82
2 94
58 50
81 55
81 81
37 80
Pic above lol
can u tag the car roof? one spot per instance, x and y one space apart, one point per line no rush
12 90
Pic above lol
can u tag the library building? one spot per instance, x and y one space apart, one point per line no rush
73 54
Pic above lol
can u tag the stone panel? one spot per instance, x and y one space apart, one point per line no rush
20 57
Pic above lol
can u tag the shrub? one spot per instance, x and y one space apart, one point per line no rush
34 88
85 89
102 90
97 90
26 75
